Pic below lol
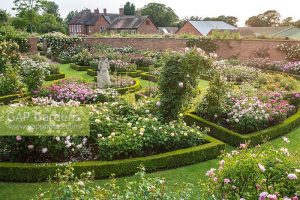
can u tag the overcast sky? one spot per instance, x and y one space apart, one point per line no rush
242 9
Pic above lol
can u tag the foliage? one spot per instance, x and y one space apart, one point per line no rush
264 172
10 82
75 90
228 19
213 104
178 79
226 35
292 68
59 42
267 19
207 44
275 82
9 54
124 132
292 52
121 66
11 34
70 16
142 61
3 16
72 187
161 15
33 73
83 58
129 8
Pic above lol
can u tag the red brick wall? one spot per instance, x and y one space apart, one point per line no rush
159 44
245 49
149 28
188 28
101 22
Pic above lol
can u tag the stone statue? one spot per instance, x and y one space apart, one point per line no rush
103 78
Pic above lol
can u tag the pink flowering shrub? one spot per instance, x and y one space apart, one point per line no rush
263 173
121 66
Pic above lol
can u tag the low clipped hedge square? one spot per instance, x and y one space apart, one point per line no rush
9 98
32 172
79 68
53 77
235 139
147 76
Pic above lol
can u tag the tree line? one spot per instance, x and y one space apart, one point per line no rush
42 16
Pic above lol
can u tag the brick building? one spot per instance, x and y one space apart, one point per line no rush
204 27
89 23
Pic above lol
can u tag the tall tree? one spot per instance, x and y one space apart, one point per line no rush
287 22
228 19
70 16
3 16
192 18
28 9
129 9
160 14
266 19
50 7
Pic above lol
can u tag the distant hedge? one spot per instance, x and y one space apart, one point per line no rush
79 68
235 139
54 77
32 172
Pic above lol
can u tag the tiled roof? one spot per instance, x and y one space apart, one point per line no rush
127 22
205 27
116 21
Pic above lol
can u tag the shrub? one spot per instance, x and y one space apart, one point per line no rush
178 79
209 45
9 54
121 66
214 102
292 52
59 42
33 73
275 82
142 61
83 58
261 173
9 33
292 67
10 82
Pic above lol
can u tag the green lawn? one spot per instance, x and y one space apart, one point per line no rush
174 177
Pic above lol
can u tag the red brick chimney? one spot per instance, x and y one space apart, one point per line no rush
104 11
96 11
121 11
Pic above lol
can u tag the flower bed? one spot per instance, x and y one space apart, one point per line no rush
147 92
133 74
29 172
66 90
235 139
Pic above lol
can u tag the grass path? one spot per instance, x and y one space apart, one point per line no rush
175 177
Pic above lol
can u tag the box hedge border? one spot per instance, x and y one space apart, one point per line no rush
80 68
235 139
9 98
53 77
148 77
62 61
33 172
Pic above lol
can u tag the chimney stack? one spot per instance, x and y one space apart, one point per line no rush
104 11
96 11
121 11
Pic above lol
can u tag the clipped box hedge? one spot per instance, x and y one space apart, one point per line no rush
144 69
91 72
134 74
149 77
235 139
80 68
53 77
9 98
32 172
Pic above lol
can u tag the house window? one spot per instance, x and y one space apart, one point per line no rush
133 31
90 29
147 22
79 28
102 28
